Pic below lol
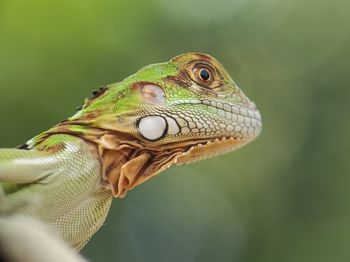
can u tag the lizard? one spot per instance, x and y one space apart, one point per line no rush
166 114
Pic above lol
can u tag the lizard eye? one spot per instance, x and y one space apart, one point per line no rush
203 75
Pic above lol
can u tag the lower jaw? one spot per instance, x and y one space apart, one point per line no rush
211 148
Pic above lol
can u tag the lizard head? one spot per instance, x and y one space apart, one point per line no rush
184 110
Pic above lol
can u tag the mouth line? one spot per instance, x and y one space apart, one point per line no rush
223 109
189 144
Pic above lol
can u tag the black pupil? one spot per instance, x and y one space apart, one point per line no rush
204 74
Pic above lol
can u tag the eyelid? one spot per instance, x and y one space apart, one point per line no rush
204 65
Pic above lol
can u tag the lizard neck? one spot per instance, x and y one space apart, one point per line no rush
125 162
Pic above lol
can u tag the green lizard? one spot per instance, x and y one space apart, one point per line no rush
176 112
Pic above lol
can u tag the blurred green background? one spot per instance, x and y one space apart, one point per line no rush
284 197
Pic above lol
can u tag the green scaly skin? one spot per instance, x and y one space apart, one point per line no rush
176 112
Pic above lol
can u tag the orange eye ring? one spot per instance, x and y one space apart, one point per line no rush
203 75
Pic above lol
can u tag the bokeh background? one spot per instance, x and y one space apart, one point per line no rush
284 197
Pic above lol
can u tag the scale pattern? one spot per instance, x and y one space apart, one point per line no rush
72 200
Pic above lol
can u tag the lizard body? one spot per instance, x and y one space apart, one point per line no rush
170 113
